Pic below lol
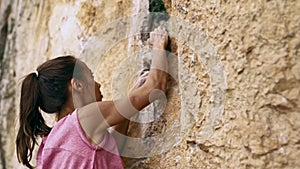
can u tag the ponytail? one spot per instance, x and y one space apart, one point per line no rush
45 90
32 123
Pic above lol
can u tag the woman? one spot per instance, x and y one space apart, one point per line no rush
65 86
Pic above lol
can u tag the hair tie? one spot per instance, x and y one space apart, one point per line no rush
36 73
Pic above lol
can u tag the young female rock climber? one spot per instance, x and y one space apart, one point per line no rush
80 139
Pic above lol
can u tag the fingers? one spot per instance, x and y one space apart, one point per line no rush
159 31
142 71
141 78
159 37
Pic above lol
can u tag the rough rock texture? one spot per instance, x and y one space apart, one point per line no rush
258 44
233 101
8 83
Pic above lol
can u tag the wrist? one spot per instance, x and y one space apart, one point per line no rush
160 47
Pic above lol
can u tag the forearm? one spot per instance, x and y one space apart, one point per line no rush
156 82
152 88
159 58
159 68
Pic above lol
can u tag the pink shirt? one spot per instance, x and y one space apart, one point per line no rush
67 147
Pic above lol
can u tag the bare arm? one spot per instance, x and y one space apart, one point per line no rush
139 81
95 118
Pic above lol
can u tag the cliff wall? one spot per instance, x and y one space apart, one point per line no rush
233 99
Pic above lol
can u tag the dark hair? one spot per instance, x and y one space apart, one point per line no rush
48 91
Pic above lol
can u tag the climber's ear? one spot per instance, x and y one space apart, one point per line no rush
76 85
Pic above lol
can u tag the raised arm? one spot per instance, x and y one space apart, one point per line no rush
95 118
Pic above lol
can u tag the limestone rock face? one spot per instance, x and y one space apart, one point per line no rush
233 99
